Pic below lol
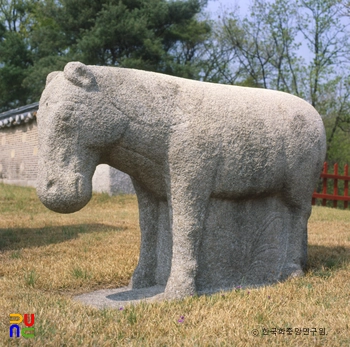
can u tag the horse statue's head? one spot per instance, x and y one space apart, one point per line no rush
74 133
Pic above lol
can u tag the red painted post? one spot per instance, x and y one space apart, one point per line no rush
335 186
313 201
324 190
346 185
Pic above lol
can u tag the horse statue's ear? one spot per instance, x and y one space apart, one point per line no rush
51 76
80 75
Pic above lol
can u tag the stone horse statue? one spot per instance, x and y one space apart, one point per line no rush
224 175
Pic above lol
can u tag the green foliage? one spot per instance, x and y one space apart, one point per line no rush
261 49
37 37
15 57
339 151
151 35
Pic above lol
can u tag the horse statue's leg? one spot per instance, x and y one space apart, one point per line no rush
145 273
190 189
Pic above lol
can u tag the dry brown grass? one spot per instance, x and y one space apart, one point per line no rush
45 258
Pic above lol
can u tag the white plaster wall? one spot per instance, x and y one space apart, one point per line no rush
109 180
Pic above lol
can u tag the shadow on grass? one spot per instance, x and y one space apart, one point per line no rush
17 238
324 260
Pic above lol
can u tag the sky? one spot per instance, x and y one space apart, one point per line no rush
214 6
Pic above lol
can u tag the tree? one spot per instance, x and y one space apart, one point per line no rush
48 42
152 35
327 40
15 58
265 50
327 71
37 37
260 48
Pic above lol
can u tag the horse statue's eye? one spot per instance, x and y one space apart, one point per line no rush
47 104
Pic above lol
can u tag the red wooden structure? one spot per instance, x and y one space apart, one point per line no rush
335 177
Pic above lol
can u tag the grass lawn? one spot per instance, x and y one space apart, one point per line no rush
46 258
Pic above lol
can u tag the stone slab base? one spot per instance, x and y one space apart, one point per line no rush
120 297
116 298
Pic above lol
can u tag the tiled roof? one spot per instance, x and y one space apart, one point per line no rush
18 115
